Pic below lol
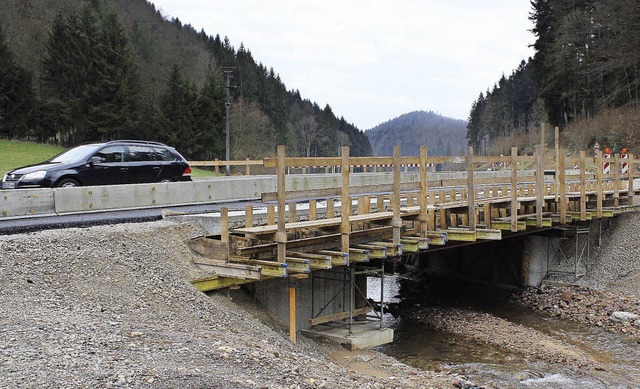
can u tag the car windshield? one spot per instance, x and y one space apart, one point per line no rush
75 154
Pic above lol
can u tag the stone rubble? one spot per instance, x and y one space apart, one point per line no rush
111 307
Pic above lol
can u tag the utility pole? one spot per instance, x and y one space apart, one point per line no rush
227 140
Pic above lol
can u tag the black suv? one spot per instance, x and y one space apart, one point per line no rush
115 162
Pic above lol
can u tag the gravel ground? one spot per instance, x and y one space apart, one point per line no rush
111 306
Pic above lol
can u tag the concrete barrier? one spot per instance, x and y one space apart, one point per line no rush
28 202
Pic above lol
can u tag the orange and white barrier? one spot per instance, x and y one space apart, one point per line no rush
624 165
606 166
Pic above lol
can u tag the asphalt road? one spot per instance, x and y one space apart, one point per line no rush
37 223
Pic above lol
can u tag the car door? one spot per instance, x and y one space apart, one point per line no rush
108 167
142 165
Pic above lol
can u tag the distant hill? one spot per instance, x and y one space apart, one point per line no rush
441 135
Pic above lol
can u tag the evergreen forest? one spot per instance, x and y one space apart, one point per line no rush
80 71
444 136
584 78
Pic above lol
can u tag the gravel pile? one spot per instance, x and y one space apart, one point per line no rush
616 263
111 306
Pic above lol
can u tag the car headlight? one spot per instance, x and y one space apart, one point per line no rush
39 175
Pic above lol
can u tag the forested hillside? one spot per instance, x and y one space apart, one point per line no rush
584 78
77 71
443 136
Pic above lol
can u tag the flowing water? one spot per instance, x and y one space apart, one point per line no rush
429 349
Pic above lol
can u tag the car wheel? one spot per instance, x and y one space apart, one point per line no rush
67 183
166 179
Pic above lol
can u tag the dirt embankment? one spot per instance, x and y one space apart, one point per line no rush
111 306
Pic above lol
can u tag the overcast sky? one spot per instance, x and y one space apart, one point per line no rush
375 60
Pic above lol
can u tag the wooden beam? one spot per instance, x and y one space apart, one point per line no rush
420 243
338 258
393 249
228 269
437 238
281 235
514 190
488 234
358 255
213 283
471 190
374 251
460 235
345 226
338 316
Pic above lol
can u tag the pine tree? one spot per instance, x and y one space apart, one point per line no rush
17 100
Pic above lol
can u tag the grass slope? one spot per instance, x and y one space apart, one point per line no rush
14 154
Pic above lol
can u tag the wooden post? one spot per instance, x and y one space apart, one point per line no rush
539 184
224 227
471 190
248 216
396 221
599 184
616 179
247 170
583 186
345 227
422 200
292 313
271 214
380 203
216 168
281 235
312 210
293 208
562 189
330 209
514 189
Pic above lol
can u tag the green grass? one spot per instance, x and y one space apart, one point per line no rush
14 154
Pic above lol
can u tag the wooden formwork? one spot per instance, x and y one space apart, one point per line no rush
356 224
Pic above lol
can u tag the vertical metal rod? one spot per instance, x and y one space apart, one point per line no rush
382 295
313 294
351 297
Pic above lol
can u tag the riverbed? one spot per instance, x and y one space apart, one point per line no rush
613 360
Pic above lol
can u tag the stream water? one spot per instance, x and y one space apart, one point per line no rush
428 349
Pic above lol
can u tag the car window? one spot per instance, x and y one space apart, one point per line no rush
75 154
111 154
163 154
140 154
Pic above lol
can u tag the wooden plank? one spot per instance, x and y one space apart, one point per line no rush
460 235
437 238
317 261
213 283
338 258
269 268
507 226
488 234
393 249
338 316
358 255
421 243
374 251
228 269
